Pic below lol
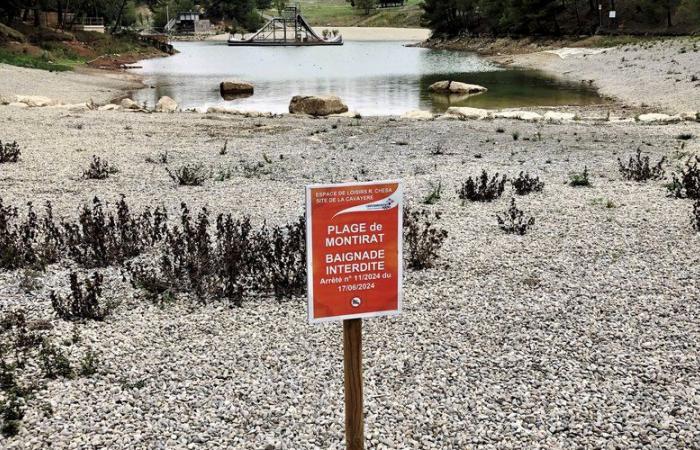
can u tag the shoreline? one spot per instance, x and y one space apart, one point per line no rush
637 68
669 64
663 76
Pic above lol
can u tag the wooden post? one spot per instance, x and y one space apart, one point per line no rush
354 419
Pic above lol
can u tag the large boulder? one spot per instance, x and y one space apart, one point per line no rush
236 88
455 87
317 106
166 104
128 103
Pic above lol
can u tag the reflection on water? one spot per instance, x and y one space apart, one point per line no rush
373 78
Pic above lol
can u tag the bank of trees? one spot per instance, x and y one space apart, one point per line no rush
552 17
241 13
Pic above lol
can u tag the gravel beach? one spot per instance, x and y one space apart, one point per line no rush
662 74
68 87
581 334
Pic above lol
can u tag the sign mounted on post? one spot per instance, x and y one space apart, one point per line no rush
354 255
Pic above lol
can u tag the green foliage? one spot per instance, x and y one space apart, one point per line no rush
89 363
577 179
82 303
23 60
482 188
525 184
9 152
686 184
365 5
551 17
639 169
99 169
434 195
54 362
422 239
514 220
189 175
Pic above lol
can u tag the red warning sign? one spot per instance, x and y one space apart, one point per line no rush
354 250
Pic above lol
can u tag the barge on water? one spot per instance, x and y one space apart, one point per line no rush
290 29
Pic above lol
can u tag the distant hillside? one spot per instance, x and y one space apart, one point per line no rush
339 13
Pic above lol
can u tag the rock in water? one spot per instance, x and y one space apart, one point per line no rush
317 106
455 87
166 104
236 88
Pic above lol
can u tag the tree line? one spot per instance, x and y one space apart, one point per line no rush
556 17
137 13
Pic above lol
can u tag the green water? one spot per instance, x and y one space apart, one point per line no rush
373 78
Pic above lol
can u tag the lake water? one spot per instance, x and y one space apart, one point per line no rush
373 78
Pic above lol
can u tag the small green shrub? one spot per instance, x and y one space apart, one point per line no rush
99 169
189 175
686 184
54 362
514 220
422 239
12 414
525 184
434 195
81 304
577 179
639 169
89 363
9 153
482 189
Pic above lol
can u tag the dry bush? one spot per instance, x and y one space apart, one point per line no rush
84 300
189 175
99 239
9 153
422 239
482 188
525 184
99 169
514 220
686 184
639 169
